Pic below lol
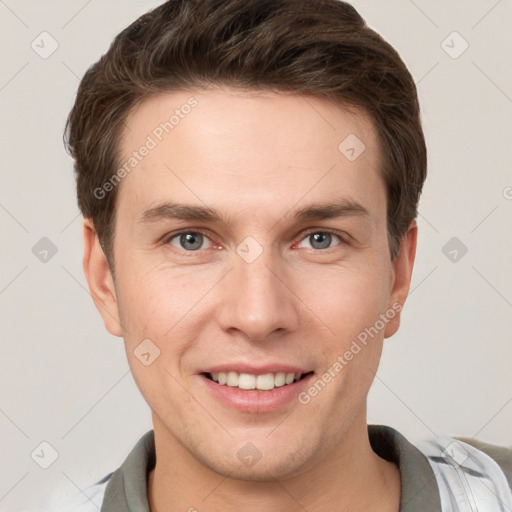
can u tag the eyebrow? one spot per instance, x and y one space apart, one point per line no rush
316 211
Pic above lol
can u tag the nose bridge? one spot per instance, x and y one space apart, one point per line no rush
256 300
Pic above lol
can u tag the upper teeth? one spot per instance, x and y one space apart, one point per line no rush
247 381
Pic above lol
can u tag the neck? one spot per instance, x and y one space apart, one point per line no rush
346 477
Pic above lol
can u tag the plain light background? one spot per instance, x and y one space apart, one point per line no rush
66 381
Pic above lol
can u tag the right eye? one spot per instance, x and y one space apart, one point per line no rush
188 241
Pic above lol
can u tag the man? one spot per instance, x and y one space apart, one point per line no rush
249 173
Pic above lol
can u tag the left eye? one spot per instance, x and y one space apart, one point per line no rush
321 239
190 241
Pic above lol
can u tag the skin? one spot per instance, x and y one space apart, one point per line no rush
255 157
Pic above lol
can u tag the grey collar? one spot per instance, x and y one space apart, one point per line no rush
127 487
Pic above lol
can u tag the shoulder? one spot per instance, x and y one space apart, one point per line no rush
118 487
89 499
467 475
502 455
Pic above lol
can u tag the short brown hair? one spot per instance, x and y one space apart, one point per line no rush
317 47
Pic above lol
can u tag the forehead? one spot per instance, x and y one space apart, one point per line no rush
247 149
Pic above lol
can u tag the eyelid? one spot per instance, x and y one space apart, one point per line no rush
182 231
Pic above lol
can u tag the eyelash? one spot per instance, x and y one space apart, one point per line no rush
304 235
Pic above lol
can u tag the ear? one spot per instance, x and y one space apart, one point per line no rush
401 277
99 278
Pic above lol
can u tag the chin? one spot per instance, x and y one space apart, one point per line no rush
248 463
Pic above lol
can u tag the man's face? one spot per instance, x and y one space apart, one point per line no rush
261 288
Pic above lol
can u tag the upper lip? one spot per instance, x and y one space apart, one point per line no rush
255 370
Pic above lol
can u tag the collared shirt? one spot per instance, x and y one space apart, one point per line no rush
125 490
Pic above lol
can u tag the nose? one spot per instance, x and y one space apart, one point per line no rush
257 298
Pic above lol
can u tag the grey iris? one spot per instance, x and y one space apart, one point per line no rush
323 239
194 239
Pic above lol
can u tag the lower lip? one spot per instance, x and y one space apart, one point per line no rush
255 401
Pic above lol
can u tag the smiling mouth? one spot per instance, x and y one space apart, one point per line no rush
246 381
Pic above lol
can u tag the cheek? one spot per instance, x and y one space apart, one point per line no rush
160 310
345 299
164 304
156 302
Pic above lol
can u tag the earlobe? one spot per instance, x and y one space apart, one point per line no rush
99 278
402 268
